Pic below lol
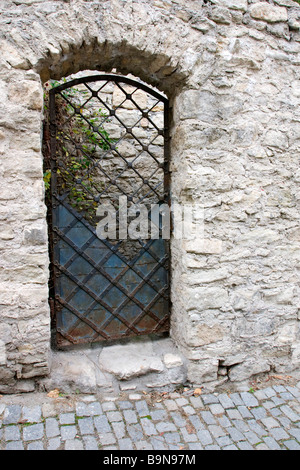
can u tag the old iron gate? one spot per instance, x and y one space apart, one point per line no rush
108 138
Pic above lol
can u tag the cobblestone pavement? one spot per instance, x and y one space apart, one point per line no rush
266 419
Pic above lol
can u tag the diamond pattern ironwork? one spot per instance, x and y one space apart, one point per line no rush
106 290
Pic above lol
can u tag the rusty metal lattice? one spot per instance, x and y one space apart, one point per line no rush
106 289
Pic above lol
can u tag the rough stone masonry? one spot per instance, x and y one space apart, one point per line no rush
231 71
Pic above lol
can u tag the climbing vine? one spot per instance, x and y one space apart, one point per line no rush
81 141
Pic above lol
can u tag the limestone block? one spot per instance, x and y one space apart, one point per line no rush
35 235
241 5
201 334
203 371
2 353
248 368
70 372
203 298
204 246
130 360
172 360
276 139
220 15
28 92
265 12
205 276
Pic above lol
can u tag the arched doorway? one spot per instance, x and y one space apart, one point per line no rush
108 156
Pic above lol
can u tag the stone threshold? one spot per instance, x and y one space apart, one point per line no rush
141 364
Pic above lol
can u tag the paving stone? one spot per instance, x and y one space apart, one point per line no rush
113 416
143 445
165 426
284 421
233 414
171 405
142 408
204 437
94 409
295 432
240 425
182 401
236 399
244 445
52 428
290 413
292 445
149 428
294 391
224 421
209 399
130 416
15 445
33 432
216 409
269 392
67 418
231 447
73 444
12 414
119 429
158 443
259 412
107 438
208 417
249 399
196 422
109 406
32 415
90 443
188 437
216 431
86 426
279 434
12 433
277 401
37 445
194 446
68 433
245 413
224 441
226 401
135 432
271 443
180 420
262 447
236 435
125 405
256 428
172 438
125 444
189 410
196 402
102 424
158 415
54 443
270 423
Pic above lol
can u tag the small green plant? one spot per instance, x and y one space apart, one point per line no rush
81 140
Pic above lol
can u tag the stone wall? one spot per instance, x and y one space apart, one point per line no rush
231 71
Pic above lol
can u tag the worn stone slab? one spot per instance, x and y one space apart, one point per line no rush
131 360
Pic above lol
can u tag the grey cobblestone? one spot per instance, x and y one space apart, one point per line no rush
240 421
